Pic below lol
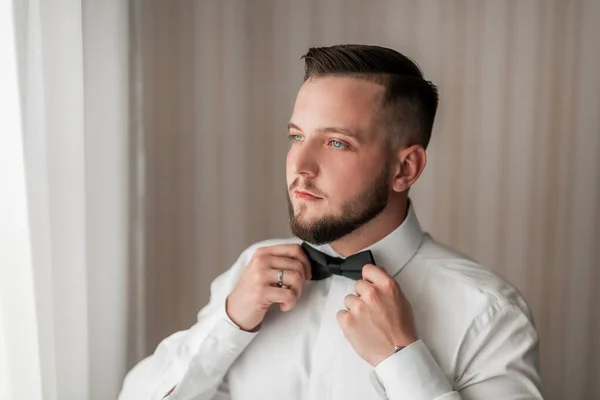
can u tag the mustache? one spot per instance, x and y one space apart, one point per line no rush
308 186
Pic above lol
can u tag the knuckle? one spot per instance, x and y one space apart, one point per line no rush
295 276
343 318
394 286
301 269
389 284
297 249
359 307
296 265
299 252
369 294
262 257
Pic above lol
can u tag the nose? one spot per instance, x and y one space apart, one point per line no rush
304 159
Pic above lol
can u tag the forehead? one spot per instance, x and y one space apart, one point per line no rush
337 101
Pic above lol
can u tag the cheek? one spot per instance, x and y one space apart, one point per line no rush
340 190
346 180
340 180
288 168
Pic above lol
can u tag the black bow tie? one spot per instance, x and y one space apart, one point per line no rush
323 265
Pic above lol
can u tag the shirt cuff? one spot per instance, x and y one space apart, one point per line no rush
411 373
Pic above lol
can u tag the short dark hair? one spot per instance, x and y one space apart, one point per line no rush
409 102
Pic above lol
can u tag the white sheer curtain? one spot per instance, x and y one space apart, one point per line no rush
64 265
19 365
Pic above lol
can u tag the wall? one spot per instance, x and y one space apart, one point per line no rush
513 177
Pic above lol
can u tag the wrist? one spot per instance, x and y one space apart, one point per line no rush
385 354
403 340
399 344
246 326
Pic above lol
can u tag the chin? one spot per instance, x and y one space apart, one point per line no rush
309 210
306 217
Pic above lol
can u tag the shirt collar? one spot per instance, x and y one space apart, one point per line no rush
395 250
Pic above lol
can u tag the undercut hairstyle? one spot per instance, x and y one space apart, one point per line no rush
409 102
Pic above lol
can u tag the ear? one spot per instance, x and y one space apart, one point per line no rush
410 163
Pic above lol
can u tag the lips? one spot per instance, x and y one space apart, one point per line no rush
306 195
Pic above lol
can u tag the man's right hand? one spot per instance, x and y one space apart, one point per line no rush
257 288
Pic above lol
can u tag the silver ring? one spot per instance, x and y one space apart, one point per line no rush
280 278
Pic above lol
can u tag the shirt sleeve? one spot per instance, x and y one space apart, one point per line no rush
498 358
191 364
412 373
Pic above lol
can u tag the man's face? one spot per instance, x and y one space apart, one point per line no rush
338 164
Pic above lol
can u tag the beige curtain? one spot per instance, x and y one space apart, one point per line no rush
514 171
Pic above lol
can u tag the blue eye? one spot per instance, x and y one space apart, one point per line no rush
295 138
337 144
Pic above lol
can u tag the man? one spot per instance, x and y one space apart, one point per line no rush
361 303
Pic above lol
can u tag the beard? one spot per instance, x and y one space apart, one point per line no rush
354 213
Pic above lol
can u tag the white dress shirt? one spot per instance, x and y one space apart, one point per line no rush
477 338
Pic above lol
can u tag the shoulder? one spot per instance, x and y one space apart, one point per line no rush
455 280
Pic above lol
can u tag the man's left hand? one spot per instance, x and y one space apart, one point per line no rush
378 317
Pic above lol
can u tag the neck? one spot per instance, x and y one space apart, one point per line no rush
373 231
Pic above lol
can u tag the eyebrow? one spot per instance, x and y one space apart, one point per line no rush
329 129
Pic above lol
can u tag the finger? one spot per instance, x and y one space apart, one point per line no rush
344 319
363 286
292 251
285 263
266 263
353 303
291 278
281 296
374 274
